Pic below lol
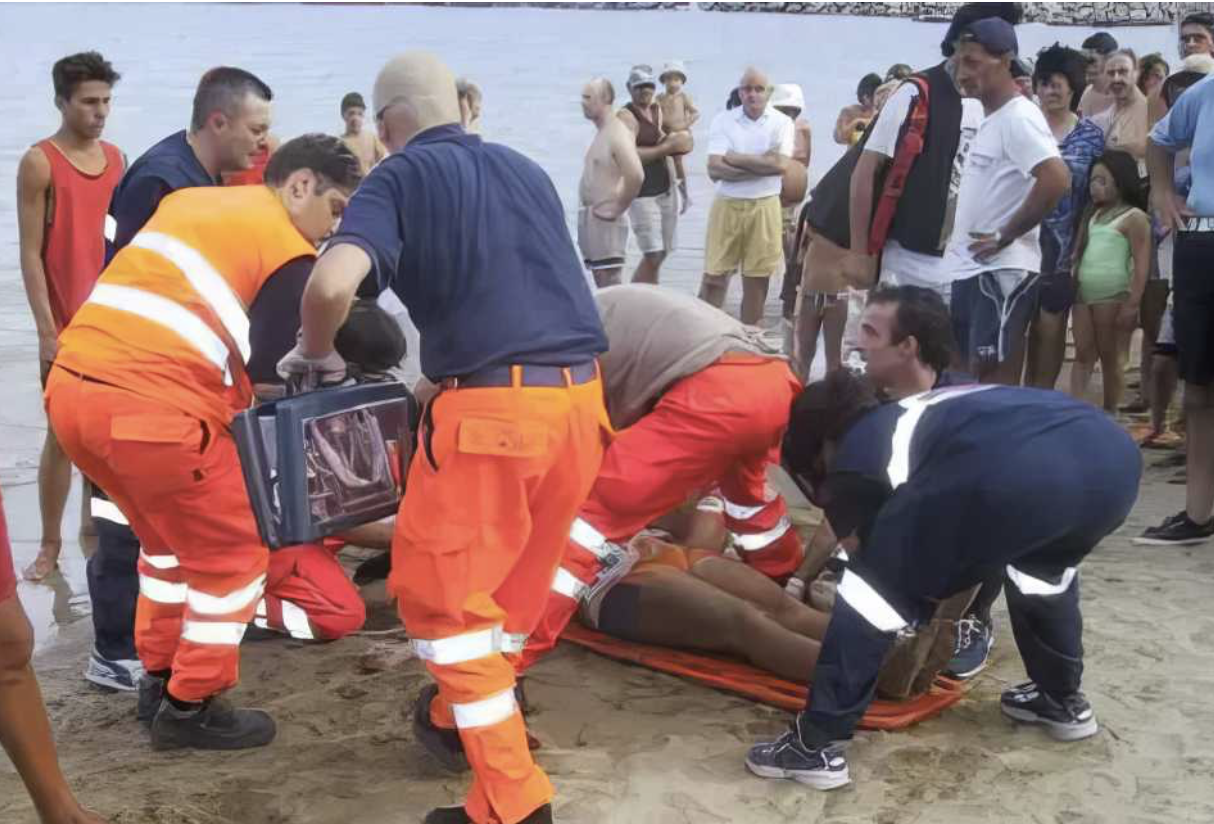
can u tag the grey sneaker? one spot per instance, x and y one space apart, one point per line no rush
120 675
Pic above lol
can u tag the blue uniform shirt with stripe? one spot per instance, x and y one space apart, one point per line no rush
163 169
472 237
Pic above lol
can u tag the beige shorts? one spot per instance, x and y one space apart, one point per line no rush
745 235
654 222
602 242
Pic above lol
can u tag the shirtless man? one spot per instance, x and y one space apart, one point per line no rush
611 180
365 145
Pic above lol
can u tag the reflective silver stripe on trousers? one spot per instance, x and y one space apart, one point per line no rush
218 633
565 583
761 540
1029 585
203 603
868 602
159 561
162 592
589 538
296 622
470 646
107 511
485 713
742 512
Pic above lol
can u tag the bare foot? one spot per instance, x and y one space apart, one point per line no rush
46 562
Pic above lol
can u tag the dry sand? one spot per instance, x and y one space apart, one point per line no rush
626 745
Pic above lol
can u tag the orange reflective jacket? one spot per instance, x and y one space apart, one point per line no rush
168 318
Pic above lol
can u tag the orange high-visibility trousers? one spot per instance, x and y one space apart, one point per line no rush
309 596
178 481
720 427
495 483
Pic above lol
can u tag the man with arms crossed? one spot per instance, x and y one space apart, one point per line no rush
611 179
748 151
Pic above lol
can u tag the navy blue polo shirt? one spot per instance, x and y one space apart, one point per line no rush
163 169
471 236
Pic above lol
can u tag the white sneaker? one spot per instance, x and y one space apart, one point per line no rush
114 675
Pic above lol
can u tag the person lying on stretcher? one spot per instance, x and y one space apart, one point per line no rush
692 595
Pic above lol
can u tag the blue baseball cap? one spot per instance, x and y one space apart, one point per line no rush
994 34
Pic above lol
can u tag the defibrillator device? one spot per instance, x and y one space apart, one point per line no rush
322 462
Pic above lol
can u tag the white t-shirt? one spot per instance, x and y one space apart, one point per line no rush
1010 143
915 267
733 131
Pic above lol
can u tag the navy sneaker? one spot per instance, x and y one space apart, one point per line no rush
1066 719
120 675
787 757
975 638
1178 530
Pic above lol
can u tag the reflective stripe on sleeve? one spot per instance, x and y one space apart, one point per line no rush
485 713
868 602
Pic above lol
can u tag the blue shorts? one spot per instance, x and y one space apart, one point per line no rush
991 313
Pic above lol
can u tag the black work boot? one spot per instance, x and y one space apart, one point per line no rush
443 744
151 693
458 815
213 725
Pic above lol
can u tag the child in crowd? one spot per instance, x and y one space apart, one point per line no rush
679 114
1112 258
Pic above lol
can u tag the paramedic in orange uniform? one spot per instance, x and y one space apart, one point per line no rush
472 237
147 378
699 405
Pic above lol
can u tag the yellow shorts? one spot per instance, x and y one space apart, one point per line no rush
747 235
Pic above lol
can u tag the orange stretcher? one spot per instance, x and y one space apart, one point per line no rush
733 676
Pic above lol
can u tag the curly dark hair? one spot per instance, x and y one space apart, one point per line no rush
1068 62
824 411
69 72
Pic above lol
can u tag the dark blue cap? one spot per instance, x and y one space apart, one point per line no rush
994 34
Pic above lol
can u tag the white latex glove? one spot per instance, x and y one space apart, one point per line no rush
304 374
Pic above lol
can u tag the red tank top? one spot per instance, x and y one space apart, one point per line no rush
253 175
73 248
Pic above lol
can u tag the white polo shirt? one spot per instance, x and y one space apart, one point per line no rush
733 131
